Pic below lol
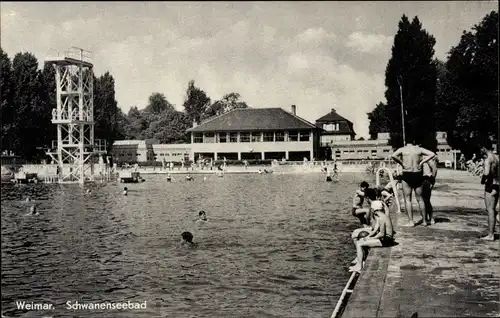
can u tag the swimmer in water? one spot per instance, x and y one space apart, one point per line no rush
202 217
33 210
187 238
125 191
188 177
169 177
88 191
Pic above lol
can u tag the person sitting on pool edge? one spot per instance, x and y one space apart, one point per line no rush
383 238
363 232
376 205
357 203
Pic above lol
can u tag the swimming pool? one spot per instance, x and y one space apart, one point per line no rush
275 246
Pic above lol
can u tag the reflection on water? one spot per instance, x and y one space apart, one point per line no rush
274 246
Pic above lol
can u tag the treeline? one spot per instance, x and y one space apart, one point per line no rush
458 96
28 95
160 120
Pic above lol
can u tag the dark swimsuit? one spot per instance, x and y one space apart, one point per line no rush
489 187
387 241
413 179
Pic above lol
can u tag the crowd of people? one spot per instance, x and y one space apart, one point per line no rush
372 205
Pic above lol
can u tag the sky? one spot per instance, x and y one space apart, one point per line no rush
316 55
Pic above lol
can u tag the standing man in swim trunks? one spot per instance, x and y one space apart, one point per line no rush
411 158
491 182
430 173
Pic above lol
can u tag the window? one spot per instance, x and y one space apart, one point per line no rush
330 127
304 136
197 138
359 151
244 137
233 137
209 137
280 136
256 137
222 137
293 135
268 136
374 152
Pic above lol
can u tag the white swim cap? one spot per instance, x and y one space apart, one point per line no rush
377 205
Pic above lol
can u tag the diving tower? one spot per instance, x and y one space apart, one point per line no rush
75 147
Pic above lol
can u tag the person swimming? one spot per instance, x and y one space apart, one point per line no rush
187 237
189 178
33 210
202 216
169 178
125 191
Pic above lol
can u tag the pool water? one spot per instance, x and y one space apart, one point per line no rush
274 246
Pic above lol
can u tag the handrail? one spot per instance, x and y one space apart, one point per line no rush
346 290
394 188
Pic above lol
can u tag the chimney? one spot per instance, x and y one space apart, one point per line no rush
194 123
333 110
294 109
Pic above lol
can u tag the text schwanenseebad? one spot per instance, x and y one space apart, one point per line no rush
76 305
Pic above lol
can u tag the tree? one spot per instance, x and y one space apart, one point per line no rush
6 101
105 109
471 94
158 104
31 117
170 127
378 120
49 87
442 113
227 103
411 66
136 124
196 103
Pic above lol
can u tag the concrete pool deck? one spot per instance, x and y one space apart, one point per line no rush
439 271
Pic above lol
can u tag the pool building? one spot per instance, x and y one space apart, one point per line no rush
268 133
255 133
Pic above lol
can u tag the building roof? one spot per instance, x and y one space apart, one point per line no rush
332 116
245 119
